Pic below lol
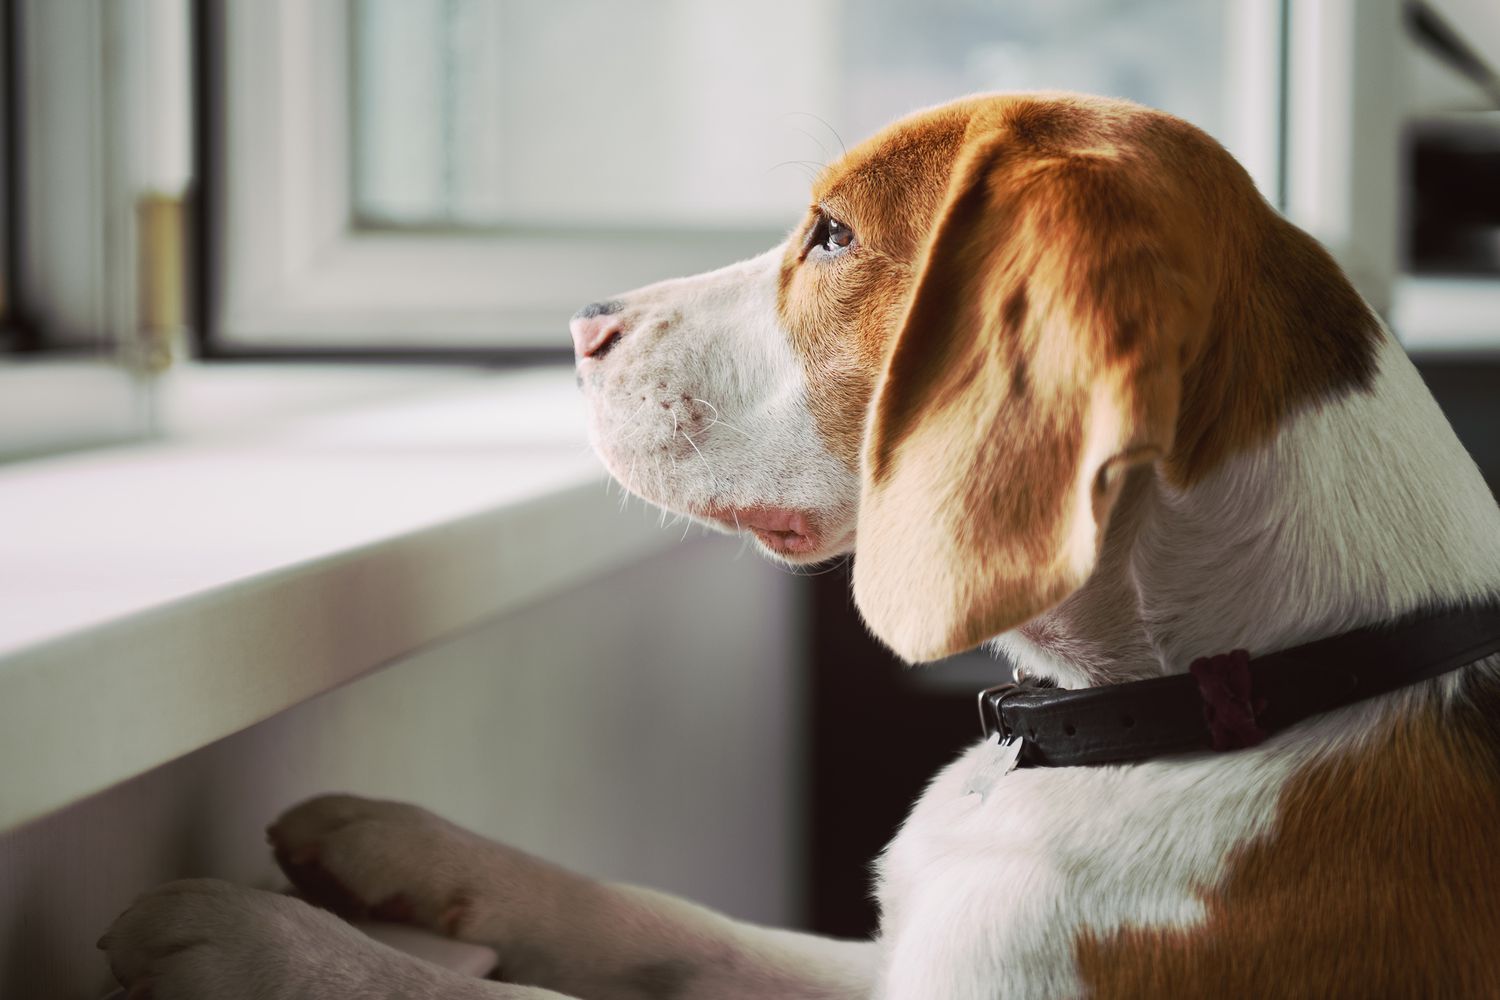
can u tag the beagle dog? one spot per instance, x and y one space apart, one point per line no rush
1066 384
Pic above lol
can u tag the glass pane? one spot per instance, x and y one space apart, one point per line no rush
679 113
1168 54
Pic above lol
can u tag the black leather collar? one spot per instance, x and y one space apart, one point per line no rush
1231 701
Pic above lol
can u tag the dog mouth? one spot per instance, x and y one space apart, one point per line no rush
783 531
794 535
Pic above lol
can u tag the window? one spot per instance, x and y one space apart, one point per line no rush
462 175
589 114
95 147
452 178
1448 295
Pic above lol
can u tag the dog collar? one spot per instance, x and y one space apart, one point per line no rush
1231 701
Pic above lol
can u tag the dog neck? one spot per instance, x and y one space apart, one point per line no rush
1362 509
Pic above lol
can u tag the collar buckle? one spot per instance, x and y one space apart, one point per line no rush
991 719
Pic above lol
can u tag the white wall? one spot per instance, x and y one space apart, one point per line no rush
644 727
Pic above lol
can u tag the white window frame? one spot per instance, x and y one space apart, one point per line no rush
78 80
1254 73
1345 74
296 273
1348 66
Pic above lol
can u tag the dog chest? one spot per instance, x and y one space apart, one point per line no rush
996 876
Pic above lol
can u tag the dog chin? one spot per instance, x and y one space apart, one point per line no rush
800 543
786 534
778 553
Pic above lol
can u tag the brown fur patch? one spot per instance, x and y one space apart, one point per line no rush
1287 328
1023 266
843 313
1288 332
1379 881
974 480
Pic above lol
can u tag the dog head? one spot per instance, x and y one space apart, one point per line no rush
992 312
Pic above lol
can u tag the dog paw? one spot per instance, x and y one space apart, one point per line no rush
202 938
391 861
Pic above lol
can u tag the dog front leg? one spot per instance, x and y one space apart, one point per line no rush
619 942
201 939
552 927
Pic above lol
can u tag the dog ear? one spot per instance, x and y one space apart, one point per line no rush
1038 361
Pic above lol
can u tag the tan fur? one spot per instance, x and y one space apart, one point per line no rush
841 317
1045 291
1369 844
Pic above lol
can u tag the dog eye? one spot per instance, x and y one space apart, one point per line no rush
836 235
829 236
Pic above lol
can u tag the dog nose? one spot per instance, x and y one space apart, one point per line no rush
596 328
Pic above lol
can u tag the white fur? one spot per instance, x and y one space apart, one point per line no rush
986 897
736 430
1357 512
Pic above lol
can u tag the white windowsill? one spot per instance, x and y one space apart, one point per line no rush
158 597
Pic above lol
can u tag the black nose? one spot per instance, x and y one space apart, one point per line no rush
599 309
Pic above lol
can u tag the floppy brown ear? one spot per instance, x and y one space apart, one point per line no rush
1038 360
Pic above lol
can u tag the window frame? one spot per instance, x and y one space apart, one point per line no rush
68 379
1344 62
296 276
293 274
306 280
13 337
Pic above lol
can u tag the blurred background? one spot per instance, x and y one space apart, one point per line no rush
333 218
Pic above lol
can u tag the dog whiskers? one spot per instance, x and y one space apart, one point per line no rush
713 474
706 464
720 420
808 168
670 456
821 121
821 145
625 483
623 424
823 570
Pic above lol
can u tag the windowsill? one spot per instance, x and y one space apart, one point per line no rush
158 597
